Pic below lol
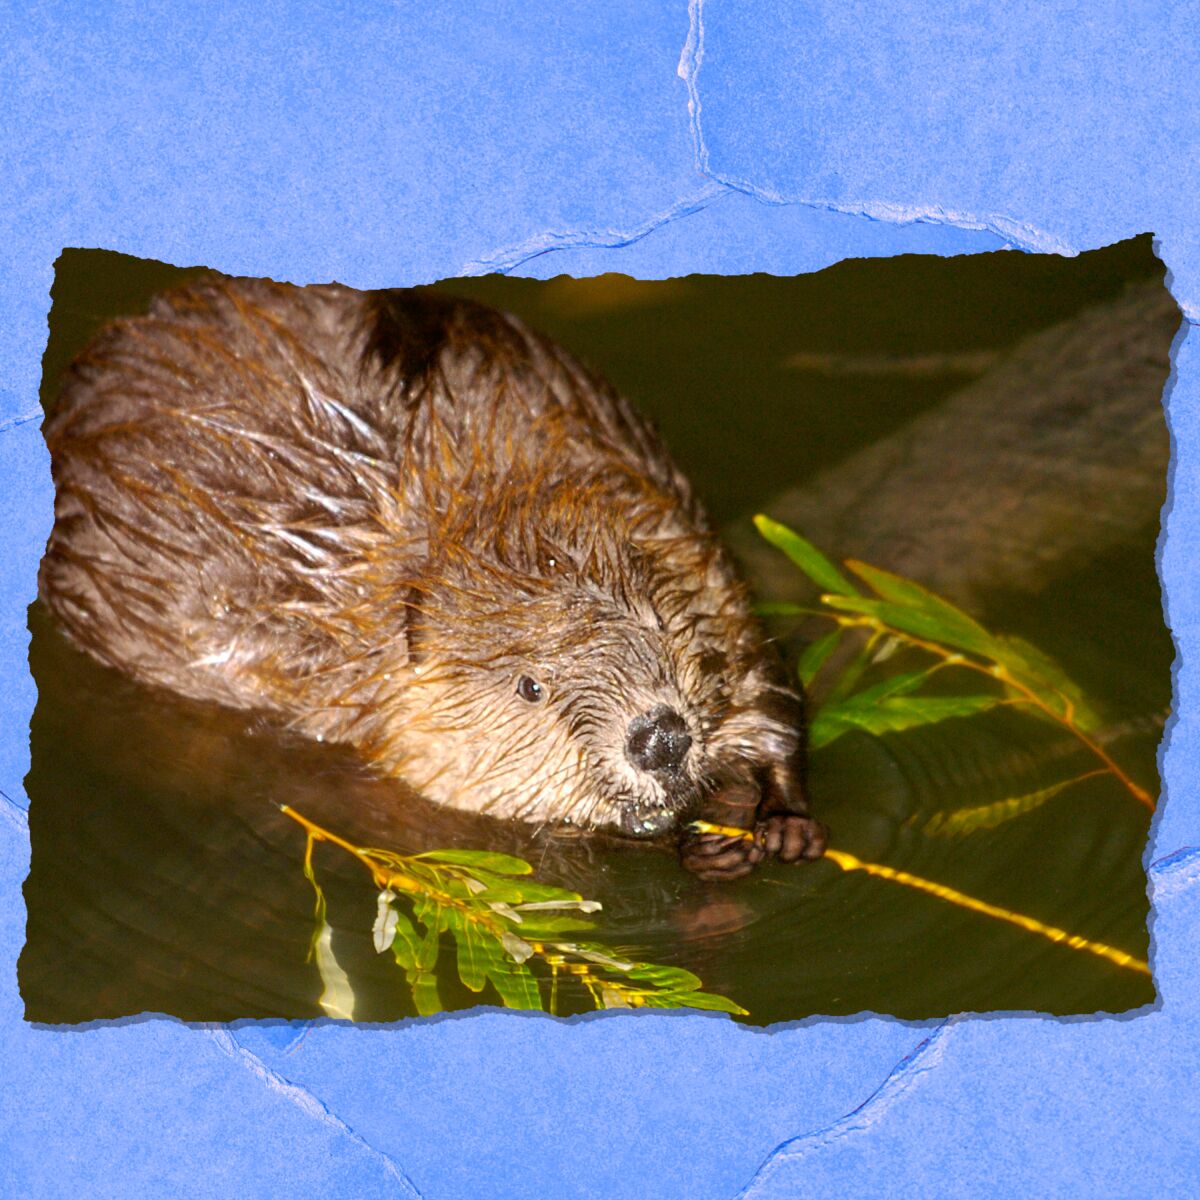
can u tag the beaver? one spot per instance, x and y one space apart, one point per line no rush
409 523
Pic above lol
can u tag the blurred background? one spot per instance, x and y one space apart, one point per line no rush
756 381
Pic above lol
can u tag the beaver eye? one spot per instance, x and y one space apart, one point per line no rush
530 689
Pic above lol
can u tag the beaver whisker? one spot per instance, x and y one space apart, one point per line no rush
529 801
534 802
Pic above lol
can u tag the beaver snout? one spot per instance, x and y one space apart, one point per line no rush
658 740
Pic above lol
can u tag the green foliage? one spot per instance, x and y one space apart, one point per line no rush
502 924
806 556
815 656
481 860
892 715
898 614
990 816
667 987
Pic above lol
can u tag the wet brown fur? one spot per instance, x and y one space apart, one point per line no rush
372 513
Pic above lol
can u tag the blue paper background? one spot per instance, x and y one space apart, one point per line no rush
390 144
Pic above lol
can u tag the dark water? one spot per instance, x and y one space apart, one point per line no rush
165 879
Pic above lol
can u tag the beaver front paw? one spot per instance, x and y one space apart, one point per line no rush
725 854
790 837
721 855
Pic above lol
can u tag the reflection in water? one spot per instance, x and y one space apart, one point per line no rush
165 879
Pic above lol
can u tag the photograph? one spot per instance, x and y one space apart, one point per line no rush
769 645
600 600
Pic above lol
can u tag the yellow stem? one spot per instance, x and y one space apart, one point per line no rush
386 877
383 877
849 863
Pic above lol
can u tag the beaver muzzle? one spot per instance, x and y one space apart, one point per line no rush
658 741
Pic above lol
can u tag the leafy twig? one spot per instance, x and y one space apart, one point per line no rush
896 610
502 922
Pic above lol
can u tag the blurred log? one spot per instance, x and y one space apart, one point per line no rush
1054 457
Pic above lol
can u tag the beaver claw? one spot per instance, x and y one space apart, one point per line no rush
785 836
790 838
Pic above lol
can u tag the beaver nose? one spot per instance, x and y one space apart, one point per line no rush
658 740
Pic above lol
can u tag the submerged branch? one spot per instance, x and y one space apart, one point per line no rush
848 862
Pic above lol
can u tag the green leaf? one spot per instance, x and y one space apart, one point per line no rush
897 685
538 926
485 860
892 715
988 816
473 955
425 995
1043 676
898 590
930 624
427 951
816 655
516 985
406 946
674 979
806 556
523 891
705 1000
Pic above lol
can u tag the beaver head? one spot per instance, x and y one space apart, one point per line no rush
567 665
